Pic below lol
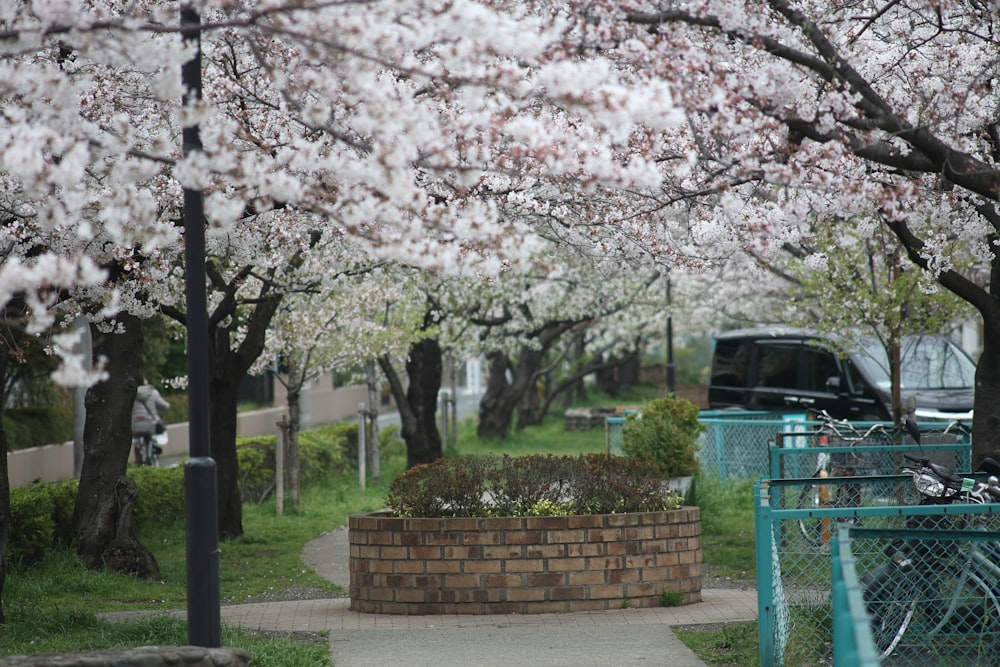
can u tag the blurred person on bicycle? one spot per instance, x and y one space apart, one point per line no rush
146 419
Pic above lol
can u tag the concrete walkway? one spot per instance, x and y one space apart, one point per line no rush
614 637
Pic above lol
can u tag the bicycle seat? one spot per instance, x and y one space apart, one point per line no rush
990 466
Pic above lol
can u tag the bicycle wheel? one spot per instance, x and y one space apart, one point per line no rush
959 615
891 600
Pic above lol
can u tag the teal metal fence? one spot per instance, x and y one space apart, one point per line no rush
736 445
794 569
613 435
795 456
853 644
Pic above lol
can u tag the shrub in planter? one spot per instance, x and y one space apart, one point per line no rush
617 484
664 432
530 486
520 485
447 487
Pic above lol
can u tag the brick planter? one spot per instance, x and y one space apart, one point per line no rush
525 565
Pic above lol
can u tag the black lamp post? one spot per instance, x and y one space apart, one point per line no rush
671 380
200 506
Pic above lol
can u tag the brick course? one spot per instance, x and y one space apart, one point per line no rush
523 565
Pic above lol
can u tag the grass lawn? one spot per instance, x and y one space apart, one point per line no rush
52 607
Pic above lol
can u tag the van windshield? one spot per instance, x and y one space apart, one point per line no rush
929 362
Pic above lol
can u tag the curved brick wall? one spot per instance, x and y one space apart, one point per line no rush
524 565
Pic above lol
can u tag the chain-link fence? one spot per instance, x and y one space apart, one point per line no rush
737 444
793 542
613 429
794 455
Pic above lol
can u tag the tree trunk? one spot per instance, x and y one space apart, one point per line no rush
529 408
226 369
102 517
494 415
292 442
503 395
374 444
417 404
223 390
4 512
986 423
423 369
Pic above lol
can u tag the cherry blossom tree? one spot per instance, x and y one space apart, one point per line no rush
884 112
398 123
352 316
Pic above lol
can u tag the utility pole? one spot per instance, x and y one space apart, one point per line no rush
201 510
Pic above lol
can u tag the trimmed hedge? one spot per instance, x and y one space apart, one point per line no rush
529 486
322 452
42 514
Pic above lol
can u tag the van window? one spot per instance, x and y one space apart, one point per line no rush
929 362
731 363
778 366
820 366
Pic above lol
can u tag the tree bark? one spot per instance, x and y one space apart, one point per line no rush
417 403
423 368
4 512
495 414
292 441
986 423
374 444
496 408
227 366
102 517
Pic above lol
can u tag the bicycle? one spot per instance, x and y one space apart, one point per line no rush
147 451
927 587
836 433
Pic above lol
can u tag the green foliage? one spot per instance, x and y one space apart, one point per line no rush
495 486
447 487
40 520
665 432
38 426
615 484
728 645
520 484
671 598
727 537
322 452
256 465
161 494
327 451
42 514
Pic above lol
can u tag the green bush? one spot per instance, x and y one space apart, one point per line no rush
256 462
615 484
534 486
665 432
447 487
161 494
42 514
322 452
41 520
37 427
520 485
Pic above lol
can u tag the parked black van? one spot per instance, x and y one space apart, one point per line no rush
793 370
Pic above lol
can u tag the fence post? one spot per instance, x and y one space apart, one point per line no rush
765 574
279 467
362 445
